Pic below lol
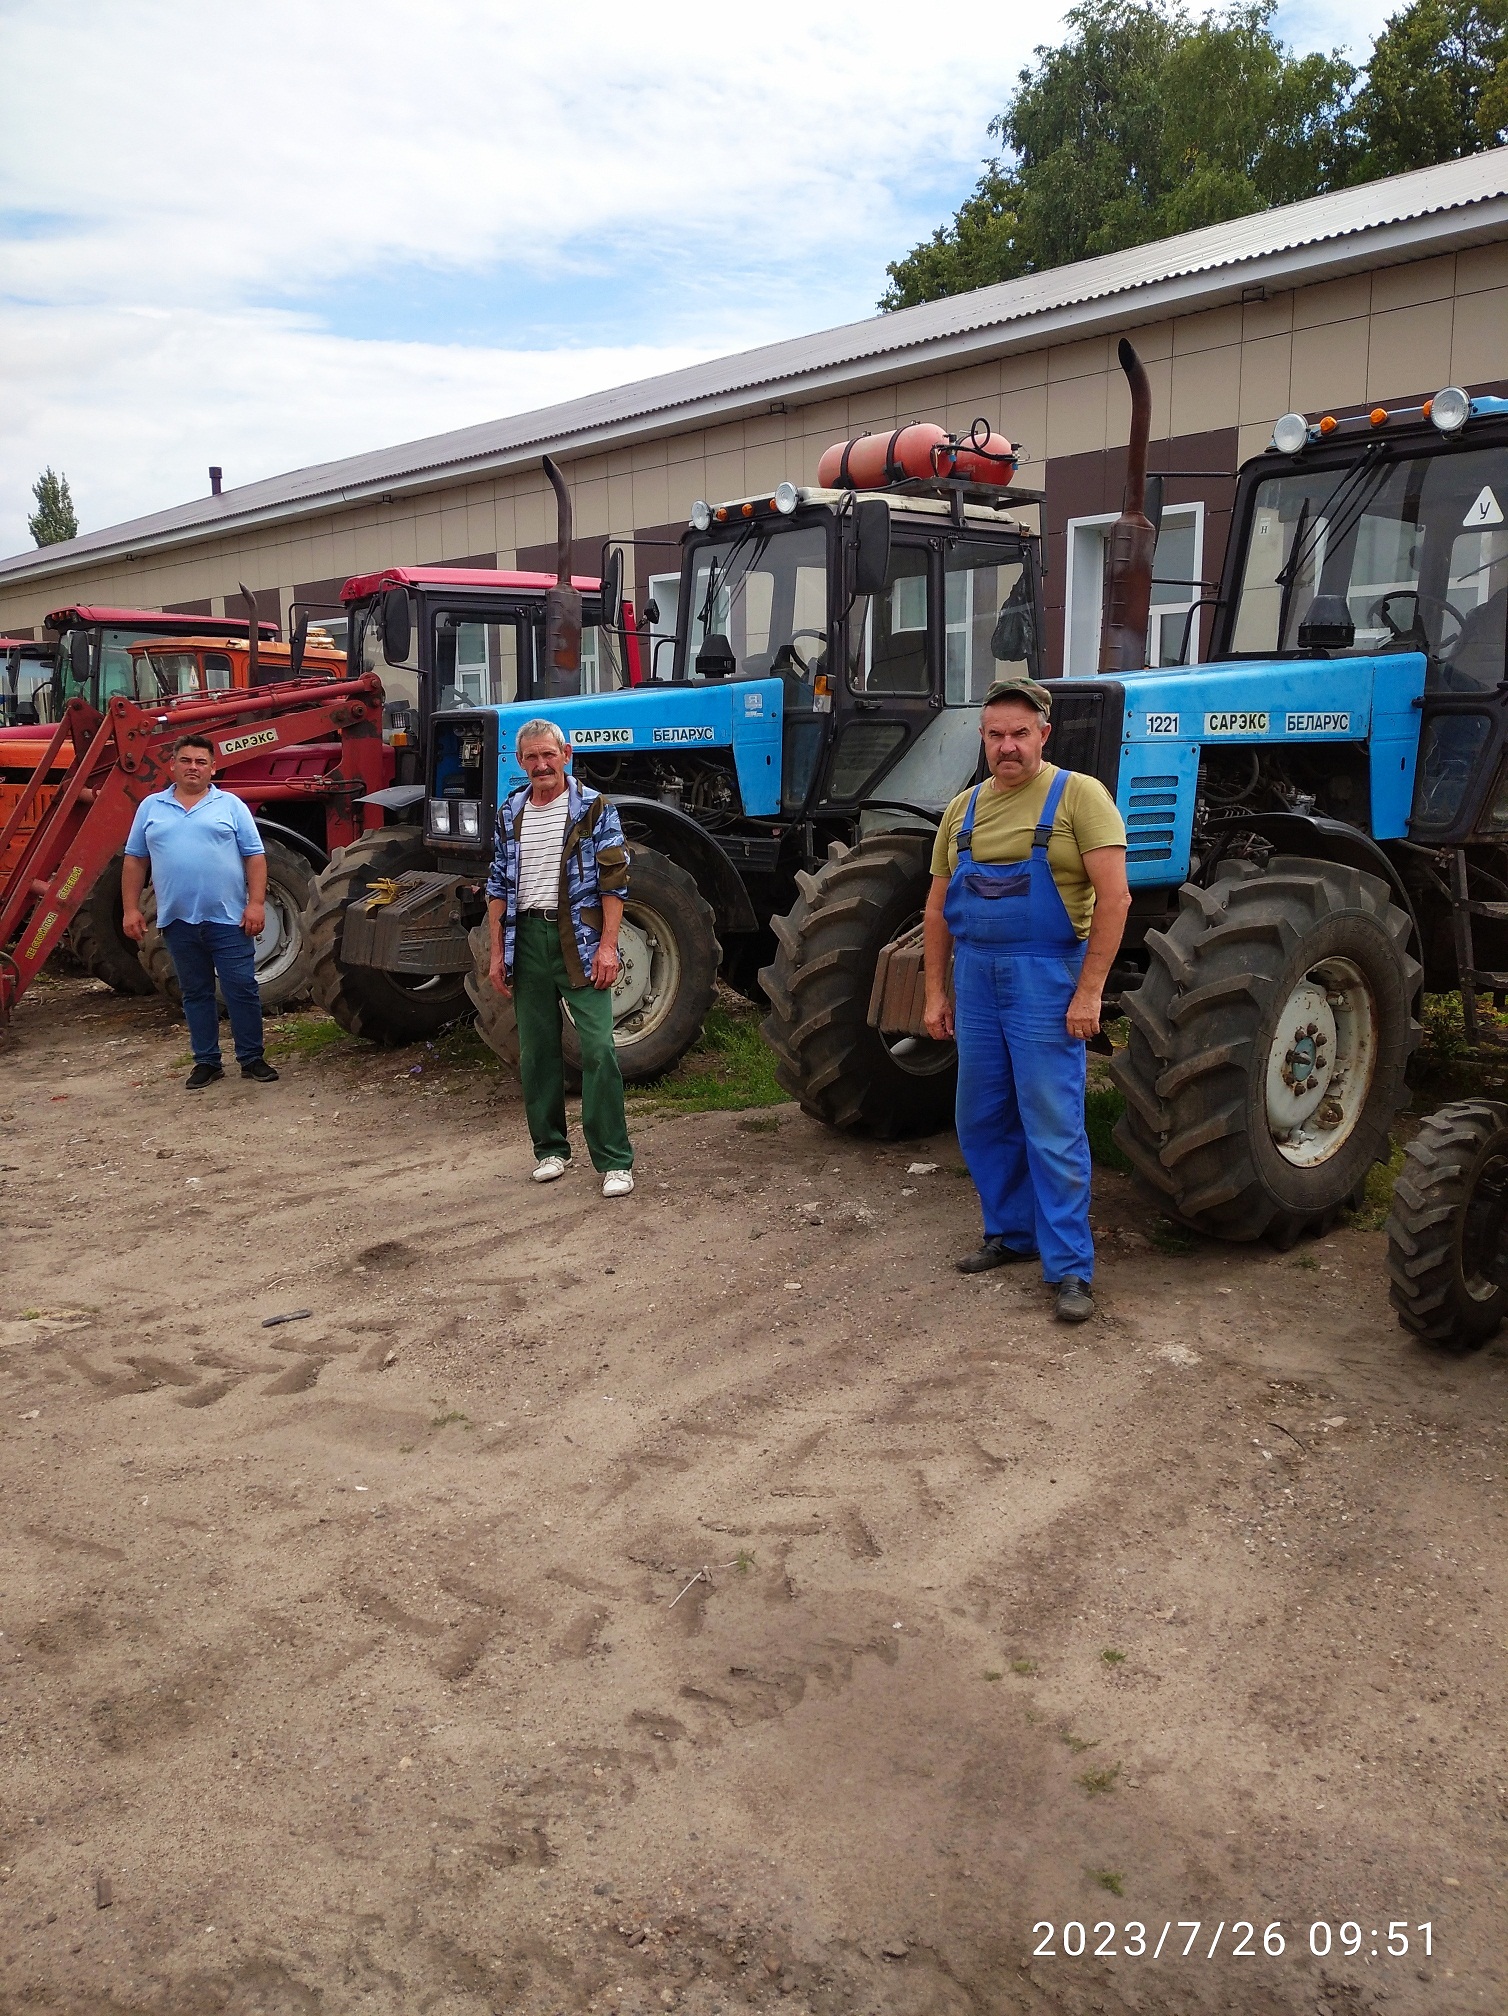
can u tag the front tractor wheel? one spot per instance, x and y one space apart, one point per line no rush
1447 1256
96 937
668 944
282 950
844 1072
1267 1048
388 1008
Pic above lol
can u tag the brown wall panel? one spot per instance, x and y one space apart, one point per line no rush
204 608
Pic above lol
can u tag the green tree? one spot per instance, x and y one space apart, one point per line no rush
54 518
1437 86
1143 122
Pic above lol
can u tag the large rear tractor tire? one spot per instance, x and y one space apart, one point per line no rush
97 941
387 1008
1447 1255
1268 1046
668 942
845 1073
283 960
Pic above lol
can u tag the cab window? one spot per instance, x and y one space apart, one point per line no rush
476 663
890 648
989 626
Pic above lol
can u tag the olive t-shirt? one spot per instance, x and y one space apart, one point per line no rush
1004 822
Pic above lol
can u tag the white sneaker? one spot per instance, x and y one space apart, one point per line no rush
550 1169
617 1182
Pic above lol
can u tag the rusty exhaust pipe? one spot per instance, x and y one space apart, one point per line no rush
562 603
251 632
1133 539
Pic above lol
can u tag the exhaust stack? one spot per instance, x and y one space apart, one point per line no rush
562 603
1132 541
253 639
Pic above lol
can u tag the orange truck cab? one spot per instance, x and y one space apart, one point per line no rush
25 670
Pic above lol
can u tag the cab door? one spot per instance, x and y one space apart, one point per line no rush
890 690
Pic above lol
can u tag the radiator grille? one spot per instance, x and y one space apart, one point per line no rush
1151 808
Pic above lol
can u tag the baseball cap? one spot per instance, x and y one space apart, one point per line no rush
1030 690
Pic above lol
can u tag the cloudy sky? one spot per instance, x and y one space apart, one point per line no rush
269 235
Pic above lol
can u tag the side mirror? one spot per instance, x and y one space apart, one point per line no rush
397 627
871 546
651 615
298 647
78 656
612 586
715 660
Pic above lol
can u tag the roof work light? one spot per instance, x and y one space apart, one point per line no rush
785 498
701 514
1290 434
1450 410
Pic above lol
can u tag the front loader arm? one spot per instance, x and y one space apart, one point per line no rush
120 759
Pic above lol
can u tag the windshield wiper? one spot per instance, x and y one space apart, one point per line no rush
717 577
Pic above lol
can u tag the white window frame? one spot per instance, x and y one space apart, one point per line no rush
1089 552
665 590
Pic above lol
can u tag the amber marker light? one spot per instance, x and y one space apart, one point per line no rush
1378 416
721 514
748 510
1329 424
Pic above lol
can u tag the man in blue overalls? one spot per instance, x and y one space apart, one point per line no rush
1029 893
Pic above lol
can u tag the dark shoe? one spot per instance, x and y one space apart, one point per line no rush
993 1253
261 1070
1075 1303
202 1075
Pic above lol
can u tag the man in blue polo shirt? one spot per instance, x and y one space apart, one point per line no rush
209 870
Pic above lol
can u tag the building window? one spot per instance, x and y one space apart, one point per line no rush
1175 588
665 593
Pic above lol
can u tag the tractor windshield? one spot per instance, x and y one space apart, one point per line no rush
766 593
1385 554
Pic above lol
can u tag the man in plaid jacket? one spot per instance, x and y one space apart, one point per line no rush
554 903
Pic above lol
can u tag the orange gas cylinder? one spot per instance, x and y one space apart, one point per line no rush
922 451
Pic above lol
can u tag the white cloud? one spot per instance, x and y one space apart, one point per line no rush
198 194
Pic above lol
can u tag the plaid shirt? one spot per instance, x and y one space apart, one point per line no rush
593 864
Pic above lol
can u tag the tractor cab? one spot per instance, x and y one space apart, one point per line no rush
443 638
93 650
25 669
176 668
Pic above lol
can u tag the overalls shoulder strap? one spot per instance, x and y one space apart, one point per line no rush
1043 833
965 841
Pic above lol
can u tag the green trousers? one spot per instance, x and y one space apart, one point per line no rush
540 984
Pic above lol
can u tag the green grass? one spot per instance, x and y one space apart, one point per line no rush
308 1034
1378 1199
732 1068
1079 1743
460 1045
1103 1106
1170 1238
1027 1668
1108 1879
1096 1783
1113 1658
991 1673
453 1414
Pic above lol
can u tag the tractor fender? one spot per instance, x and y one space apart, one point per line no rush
299 842
691 847
1332 840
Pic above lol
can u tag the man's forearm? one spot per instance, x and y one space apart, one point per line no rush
937 945
612 917
256 878
497 910
133 880
1106 930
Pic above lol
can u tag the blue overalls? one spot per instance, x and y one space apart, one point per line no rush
1020 1074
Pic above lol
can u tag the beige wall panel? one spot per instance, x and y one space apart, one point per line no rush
1211 330
1408 351
589 503
760 429
1160 372
725 478
1266 374
620 462
531 521
877 406
403 548
725 440
1266 318
454 534
1329 366
1076 416
1408 286
370 550
1334 301
1481 267
651 497
822 415
343 551
1206 390
1016 373
1252 438
1023 418
766 466
1079 360
688 447
481 527
1155 339
979 382
1479 338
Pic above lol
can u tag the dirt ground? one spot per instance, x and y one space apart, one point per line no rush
361 1664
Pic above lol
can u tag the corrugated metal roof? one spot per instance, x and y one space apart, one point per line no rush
1406 216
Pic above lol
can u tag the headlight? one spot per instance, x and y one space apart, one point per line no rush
786 499
701 514
439 815
1450 410
1290 434
471 819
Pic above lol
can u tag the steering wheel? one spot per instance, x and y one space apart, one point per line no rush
789 652
1381 612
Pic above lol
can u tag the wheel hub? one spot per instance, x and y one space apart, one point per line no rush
632 985
1320 1062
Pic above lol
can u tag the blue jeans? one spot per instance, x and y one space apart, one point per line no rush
200 951
1021 1104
